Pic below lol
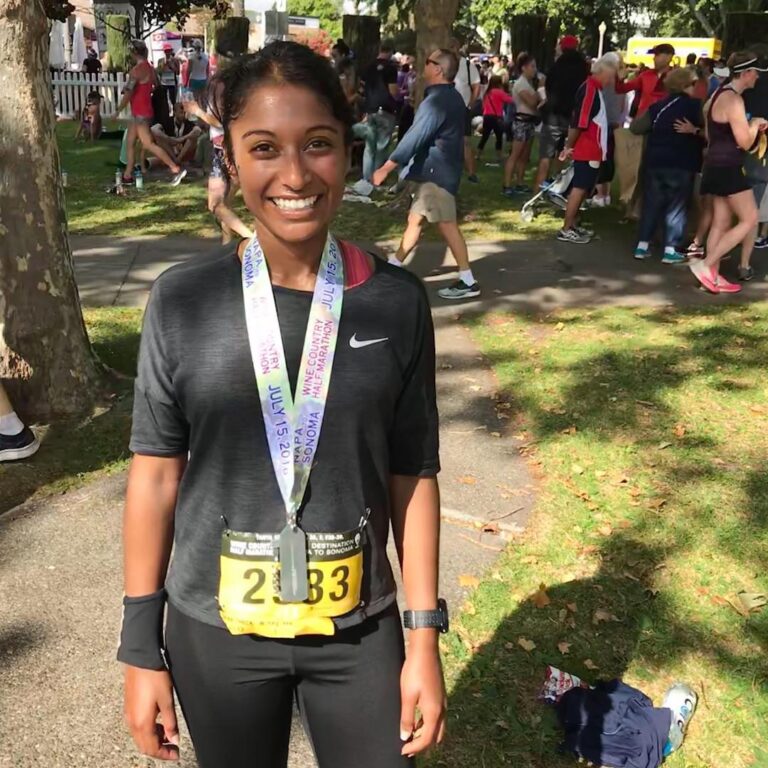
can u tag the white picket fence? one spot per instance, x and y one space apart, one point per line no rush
70 90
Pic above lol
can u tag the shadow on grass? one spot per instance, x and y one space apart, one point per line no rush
72 449
683 507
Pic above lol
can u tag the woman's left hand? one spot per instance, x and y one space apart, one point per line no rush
422 686
685 126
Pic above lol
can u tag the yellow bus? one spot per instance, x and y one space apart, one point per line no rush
638 47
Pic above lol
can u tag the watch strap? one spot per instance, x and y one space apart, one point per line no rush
436 619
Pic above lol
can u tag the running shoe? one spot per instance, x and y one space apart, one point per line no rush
695 250
546 184
761 242
179 177
746 274
21 446
459 290
726 286
585 230
674 258
508 191
573 236
681 699
641 254
522 189
705 275
473 178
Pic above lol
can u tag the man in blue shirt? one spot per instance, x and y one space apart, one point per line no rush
432 152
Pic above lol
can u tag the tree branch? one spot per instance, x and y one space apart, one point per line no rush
702 19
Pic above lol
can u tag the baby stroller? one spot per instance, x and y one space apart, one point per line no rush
552 193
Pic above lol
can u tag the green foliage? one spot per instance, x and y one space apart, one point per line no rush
118 39
229 36
328 11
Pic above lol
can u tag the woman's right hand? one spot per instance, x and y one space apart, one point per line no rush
149 693
759 122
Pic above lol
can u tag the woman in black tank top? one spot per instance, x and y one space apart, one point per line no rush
730 135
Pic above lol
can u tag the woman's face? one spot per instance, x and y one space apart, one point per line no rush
529 70
291 161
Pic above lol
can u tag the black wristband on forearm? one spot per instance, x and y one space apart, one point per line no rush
141 637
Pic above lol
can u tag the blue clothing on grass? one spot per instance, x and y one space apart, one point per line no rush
614 725
433 148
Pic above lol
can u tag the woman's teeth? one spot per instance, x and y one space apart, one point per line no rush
293 203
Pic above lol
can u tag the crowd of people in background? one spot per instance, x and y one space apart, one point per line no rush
686 141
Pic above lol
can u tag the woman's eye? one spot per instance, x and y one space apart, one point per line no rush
319 144
261 148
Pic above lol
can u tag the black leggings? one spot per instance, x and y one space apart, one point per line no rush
237 693
492 124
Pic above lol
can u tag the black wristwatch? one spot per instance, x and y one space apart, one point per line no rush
437 619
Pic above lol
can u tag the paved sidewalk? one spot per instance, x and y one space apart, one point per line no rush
532 275
60 559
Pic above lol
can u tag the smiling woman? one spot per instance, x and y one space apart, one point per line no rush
285 418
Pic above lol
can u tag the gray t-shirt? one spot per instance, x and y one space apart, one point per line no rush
196 392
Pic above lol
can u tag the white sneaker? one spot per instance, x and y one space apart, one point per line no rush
179 177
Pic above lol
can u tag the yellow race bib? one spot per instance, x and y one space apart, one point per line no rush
249 587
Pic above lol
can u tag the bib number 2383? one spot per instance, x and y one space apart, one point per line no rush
249 588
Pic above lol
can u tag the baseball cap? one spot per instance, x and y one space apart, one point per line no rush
569 42
663 48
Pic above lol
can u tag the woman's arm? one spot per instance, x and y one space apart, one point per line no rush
529 98
416 530
744 131
150 503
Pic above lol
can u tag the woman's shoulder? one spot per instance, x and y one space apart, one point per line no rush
199 275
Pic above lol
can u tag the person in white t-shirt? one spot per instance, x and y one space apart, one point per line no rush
467 83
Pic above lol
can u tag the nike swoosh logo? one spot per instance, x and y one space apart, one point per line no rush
355 343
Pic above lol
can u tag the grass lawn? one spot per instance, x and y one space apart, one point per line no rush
647 429
163 210
75 452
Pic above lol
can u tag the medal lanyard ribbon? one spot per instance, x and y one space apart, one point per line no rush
292 425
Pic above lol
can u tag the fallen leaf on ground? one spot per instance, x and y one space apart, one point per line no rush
541 598
529 559
503 724
679 430
600 474
605 530
560 326
589 664
491 528
646 403
495 434
571 607
577 469
467 480
466 580
662 446
525 644
564 648
601 615
751 601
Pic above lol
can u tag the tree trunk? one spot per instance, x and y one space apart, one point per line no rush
44 350
702 19
238 8
433 30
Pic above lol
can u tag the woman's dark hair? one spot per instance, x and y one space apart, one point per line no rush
281 62
342 47
523 60
405 68
495 82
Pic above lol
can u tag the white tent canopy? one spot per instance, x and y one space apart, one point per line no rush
78 45
56 56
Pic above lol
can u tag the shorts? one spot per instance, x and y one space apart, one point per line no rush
554 132
523 130
140 120
723 181
197 85
434 203
585 173
468 115
218 166
608 166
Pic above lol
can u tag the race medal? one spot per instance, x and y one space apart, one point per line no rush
250 592
294 584
282 564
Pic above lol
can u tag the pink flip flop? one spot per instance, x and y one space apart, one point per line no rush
705 275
